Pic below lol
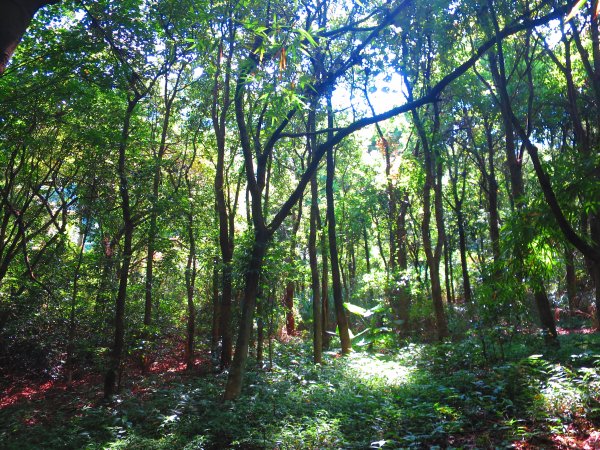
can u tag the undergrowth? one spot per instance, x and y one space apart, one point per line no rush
422 396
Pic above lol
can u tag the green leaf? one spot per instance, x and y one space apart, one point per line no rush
359 310
306 35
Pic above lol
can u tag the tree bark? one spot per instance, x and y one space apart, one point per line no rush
216 315
463 253
324 285
190 280
514 160
15 17
233 388
169 98
70 359
571 279
314 273
290 287
336 282
221 102
433 255
110 379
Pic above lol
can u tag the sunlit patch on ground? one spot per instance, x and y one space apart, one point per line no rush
27 392
564 331
575 439
384 369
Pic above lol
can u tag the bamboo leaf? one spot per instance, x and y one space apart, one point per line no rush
306 35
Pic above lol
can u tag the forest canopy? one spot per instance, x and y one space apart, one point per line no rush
212 177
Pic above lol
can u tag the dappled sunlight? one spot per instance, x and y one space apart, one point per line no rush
380 369
320 431
419 396
28 392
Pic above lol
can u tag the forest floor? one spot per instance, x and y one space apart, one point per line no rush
455 395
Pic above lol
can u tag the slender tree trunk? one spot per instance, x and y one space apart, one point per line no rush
571 279
260 333
225 316
114 368
190 283
447 272
317 307
216 315
338 301
402 259
462 242
492 199
366 247
324 287
221 102
288 298
153 228
432 254
70 361
314 272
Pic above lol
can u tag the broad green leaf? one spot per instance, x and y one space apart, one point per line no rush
355 309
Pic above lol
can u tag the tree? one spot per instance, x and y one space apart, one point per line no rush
15 17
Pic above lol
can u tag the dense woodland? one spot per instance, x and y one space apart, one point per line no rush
269 200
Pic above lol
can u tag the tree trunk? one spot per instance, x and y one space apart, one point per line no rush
493 199
190 283
233 388
14 21
314 273
514 160
433 255
324 287
288 298
220 105
319 326
260 334
546 316
571 279
448 283
70 360
216 315
153 228
462 242
338 301
128 226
